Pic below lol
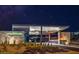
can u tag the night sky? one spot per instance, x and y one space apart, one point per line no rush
40 15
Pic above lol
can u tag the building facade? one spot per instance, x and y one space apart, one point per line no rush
44 34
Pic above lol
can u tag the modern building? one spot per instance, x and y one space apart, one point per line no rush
43 33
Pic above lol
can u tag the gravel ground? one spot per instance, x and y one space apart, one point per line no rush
37 49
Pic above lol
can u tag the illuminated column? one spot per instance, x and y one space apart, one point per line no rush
49 36
59 37
68 38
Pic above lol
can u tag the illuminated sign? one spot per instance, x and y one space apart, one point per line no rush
15 33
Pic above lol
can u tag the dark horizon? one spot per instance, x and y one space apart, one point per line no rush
41 14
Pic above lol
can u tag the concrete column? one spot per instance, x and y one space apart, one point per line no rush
49 36
59 37
68 38
41 36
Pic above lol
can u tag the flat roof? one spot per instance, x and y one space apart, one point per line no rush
28 25
39 25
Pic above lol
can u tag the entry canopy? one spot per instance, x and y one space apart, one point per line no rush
53 28
47 28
